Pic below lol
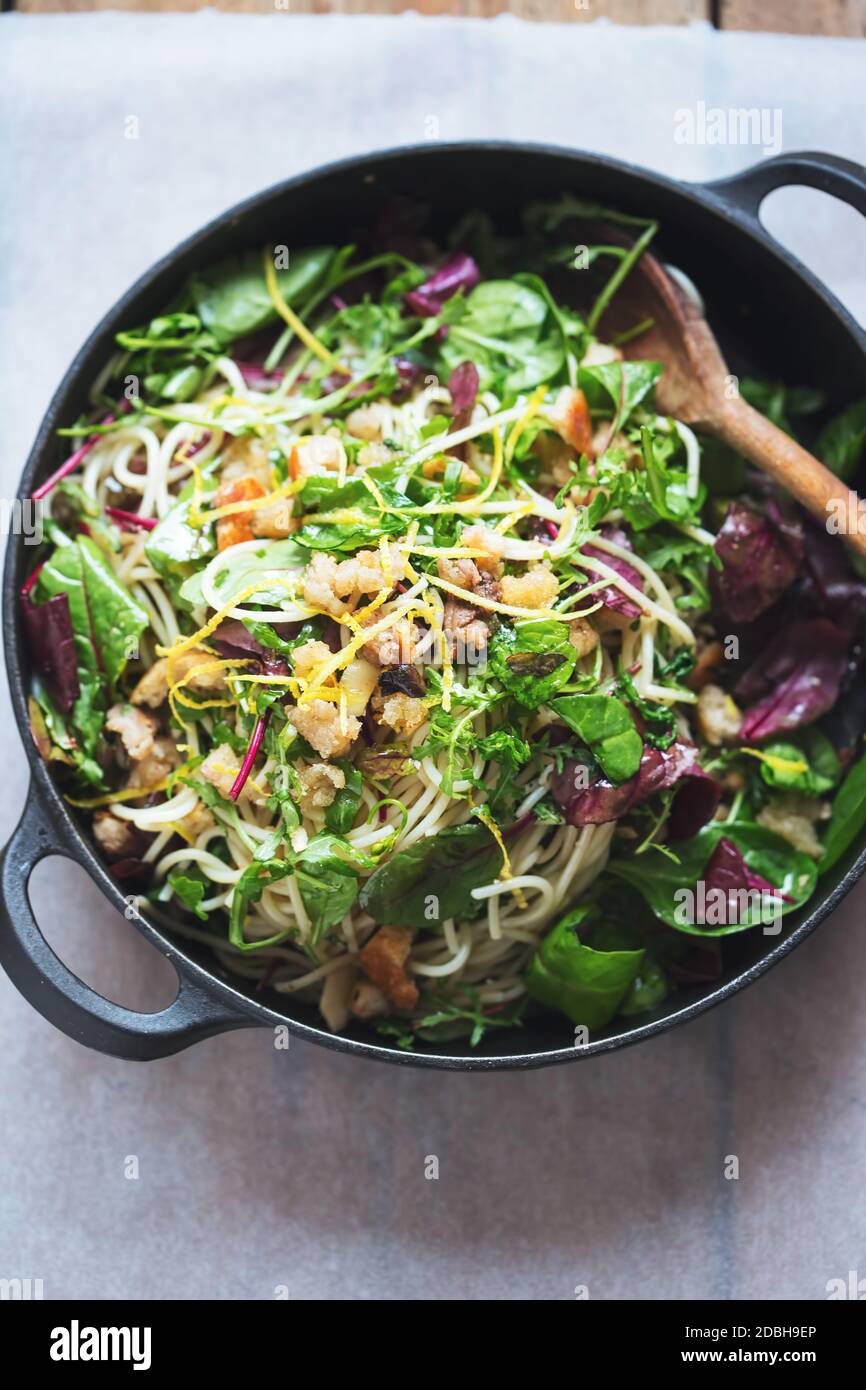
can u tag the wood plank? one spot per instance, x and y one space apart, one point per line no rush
838 18
564 11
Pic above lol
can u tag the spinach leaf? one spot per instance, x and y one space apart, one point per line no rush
842 442
232 299
659 878
174 547
501 327
849 815
807 764
237 571
605 725
585 984
532 660
496 308
341 814
331 536
432 880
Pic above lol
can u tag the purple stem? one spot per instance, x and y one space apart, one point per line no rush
250 755
130 521
75 459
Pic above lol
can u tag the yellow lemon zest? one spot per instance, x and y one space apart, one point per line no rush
289 316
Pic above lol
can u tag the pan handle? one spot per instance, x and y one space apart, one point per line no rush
58 994
829 173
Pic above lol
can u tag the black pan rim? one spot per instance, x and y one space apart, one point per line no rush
71 841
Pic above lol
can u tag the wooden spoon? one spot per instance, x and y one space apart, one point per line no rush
698 388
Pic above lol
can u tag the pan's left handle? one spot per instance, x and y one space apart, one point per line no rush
68 1002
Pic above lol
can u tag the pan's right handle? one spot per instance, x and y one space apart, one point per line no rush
830 173
68 1002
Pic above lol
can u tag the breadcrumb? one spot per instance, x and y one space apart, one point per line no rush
156 765
582 636
137 729
221 767
152 689
403 713
320 783
718 717
369 421
315 455
383 960
308 656
792 816
536 589
319 723
116 837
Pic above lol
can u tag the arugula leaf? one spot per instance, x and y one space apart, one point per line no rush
327 881
585 984
255 878
189 891
842 443
532 660
659 878
620 384
848 817
605 725
432 880
505 747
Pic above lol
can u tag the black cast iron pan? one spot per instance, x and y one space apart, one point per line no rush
759 300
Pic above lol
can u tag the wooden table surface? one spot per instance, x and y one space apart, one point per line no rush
828 17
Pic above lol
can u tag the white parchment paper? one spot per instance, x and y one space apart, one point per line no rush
257 1168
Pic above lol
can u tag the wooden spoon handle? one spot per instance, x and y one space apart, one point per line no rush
833 504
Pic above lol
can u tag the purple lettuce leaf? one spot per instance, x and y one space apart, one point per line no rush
727 869
831 585
795 681
761 554
460 273
601 801
51 642
463 385
610 595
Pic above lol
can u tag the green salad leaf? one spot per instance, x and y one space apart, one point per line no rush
532 660
432 880
659 878
585 984
607 728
